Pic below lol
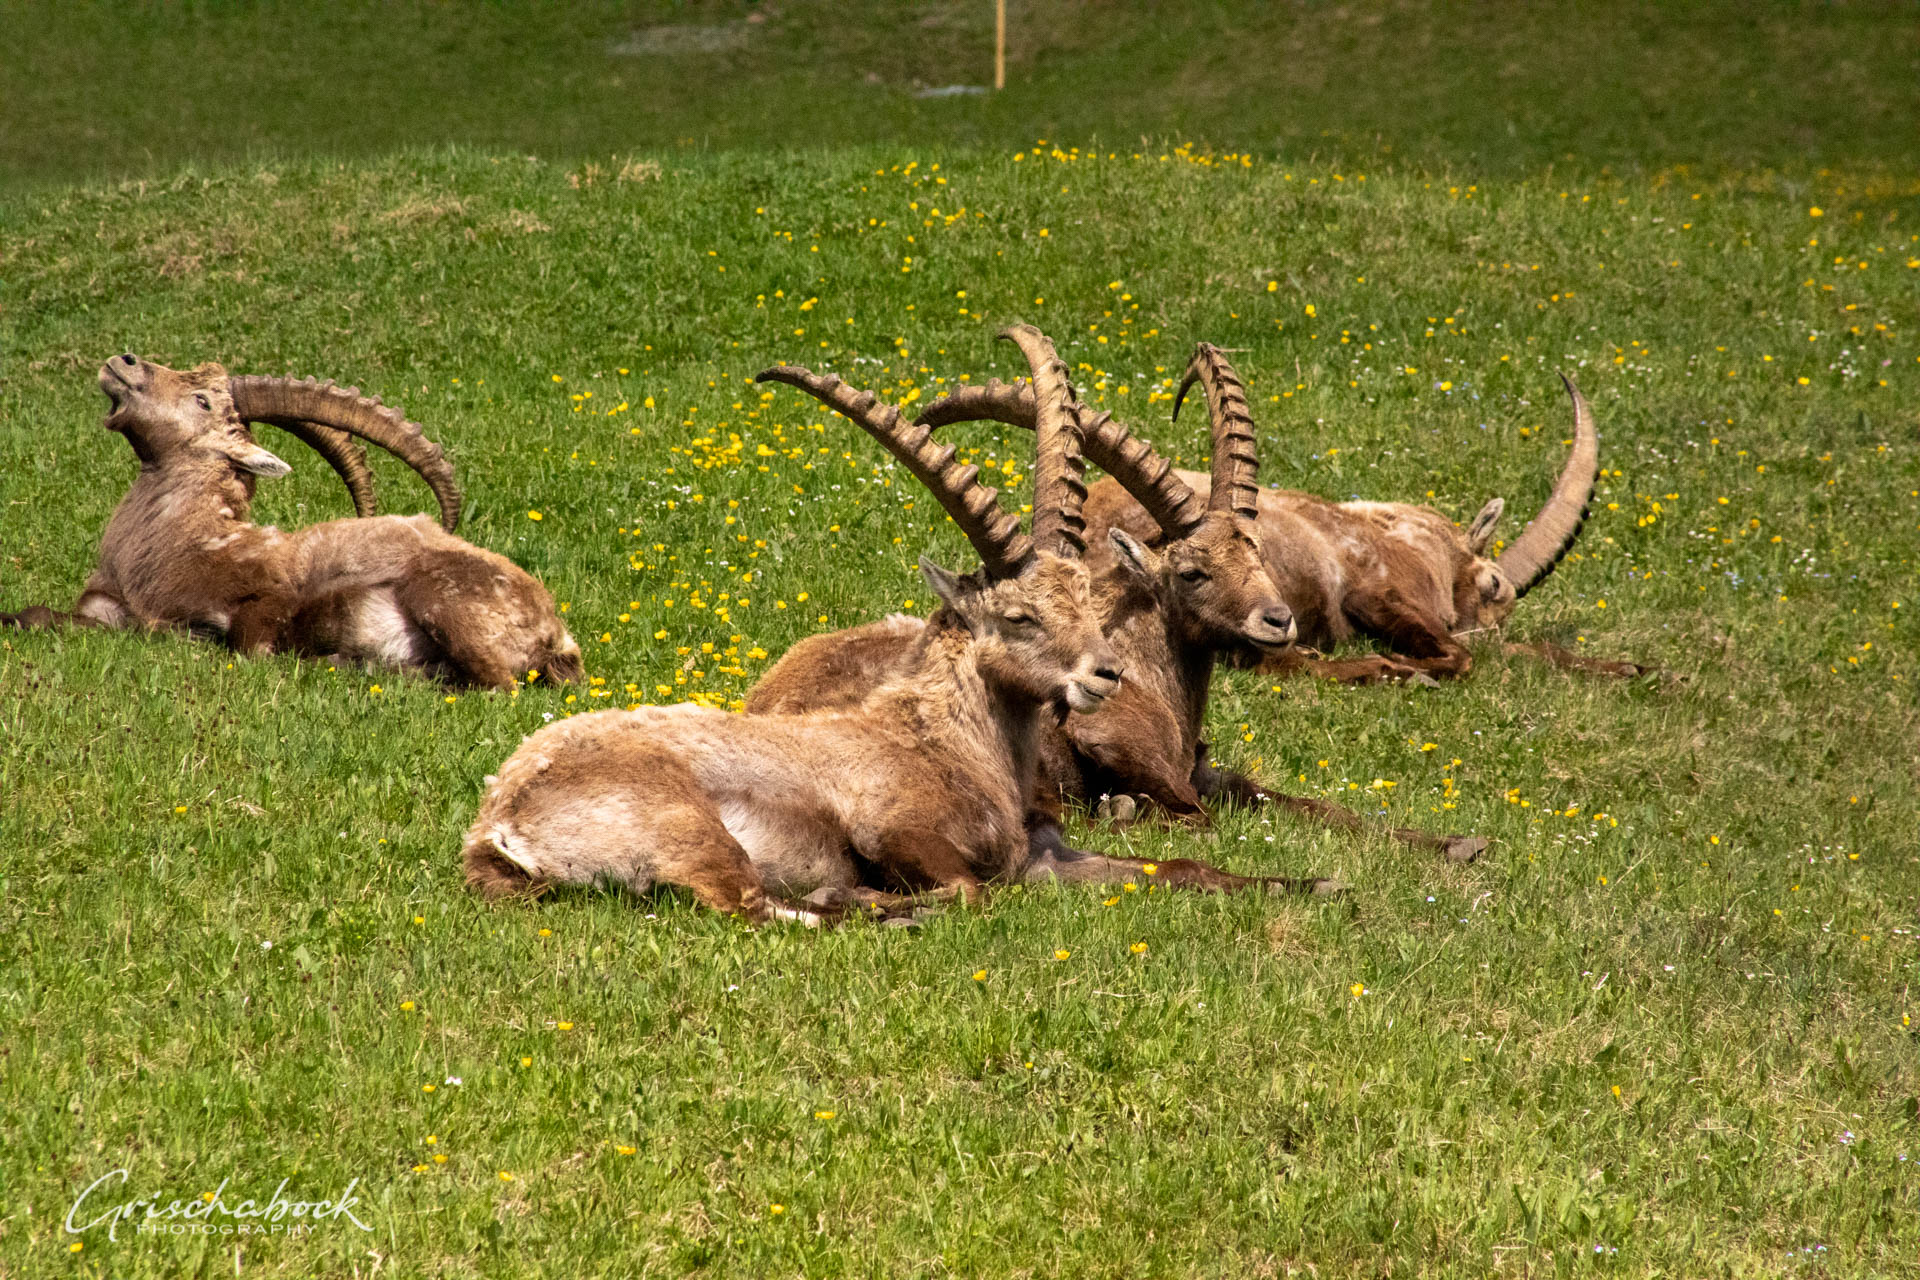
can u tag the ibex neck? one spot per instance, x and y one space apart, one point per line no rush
964 716
186 485
1160 658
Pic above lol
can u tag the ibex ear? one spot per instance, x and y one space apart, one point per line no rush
249 456
1139 561
1480 532
944 584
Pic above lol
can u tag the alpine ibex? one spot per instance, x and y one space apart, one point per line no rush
925 785
180 552
1399 573
1170 612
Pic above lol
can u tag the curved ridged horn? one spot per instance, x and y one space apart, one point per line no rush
1533 555
975 507
299 404
342 453
1104 441
1059 491
1236 459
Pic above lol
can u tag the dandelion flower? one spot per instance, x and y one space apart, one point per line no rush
979 975
406 1006
824 1115
1138 948
1357 990
1061 954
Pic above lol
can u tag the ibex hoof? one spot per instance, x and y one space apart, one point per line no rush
900 922
1323 888
1464 849
1423 680
1117 809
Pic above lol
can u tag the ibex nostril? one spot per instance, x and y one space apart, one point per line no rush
1108 673
129 360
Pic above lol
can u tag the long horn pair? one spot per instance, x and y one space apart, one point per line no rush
327 417
1550 535
1104 440
975 507
1236 460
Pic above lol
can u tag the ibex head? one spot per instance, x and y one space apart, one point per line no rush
1218 576
1483 593
1216 584
1486 589
172 416
1030 609
1037 633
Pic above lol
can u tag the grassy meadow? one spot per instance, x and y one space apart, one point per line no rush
1662 1028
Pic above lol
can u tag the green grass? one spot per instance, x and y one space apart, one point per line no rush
1497 89
1221 1105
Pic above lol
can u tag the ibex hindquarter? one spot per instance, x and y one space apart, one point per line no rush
181 552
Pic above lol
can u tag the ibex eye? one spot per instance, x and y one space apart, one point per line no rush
1194 575
203 402
1020 619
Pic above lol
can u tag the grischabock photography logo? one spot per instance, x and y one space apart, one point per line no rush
105 1204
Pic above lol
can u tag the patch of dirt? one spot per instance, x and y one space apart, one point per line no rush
677 40
424 209
520 222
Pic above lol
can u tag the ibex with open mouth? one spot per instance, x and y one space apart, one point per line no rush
1170 612
180 552
1394 571
923 786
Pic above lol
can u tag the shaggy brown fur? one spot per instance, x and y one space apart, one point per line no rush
180 552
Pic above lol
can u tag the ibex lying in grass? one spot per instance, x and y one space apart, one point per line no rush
1399 573
180 552
1169 613
924 785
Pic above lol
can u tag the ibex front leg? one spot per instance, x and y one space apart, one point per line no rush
95 608
1057 860
1236 788
1568 660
